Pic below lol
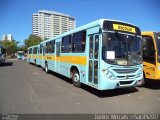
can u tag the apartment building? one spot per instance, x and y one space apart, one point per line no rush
47 24
8 37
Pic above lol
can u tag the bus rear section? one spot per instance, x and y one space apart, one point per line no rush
151 55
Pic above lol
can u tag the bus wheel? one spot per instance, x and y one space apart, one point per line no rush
46 68
35 63
76 79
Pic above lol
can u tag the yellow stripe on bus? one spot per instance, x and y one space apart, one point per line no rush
81 60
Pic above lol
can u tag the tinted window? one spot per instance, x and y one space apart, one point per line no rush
66 44
47 47
30 51
91 47
96 49
52 46
41 48
148 49
35 50
157 38
79 42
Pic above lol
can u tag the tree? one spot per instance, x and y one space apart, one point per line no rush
11 46
32 40
22 48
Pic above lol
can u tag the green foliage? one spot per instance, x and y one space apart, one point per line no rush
22 48
11 46
32 40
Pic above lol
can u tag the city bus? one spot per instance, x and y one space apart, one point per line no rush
33 55
2 54
151 55
20 55
104 54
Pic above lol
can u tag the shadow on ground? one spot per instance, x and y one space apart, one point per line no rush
110 93
6 64
98 93
152 84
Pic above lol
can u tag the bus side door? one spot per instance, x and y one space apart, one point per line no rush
93 59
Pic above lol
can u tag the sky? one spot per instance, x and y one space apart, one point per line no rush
16 15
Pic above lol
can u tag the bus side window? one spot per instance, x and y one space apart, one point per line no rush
148 49
79 42
41 49
66 44
52 46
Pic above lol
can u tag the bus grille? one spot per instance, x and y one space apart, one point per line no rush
125 82
125 71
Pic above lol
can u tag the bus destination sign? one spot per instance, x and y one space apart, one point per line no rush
124 28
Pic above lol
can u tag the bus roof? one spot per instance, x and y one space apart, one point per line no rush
147 32
33 46
89 25
20 51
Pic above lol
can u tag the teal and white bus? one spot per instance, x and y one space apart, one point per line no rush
33 55
104 54
20 55
2 54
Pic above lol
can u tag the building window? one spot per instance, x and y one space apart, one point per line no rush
79 42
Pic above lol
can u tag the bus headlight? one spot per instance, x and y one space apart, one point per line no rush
140 73
110 75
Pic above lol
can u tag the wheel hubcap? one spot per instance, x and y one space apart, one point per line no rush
76 77
46 69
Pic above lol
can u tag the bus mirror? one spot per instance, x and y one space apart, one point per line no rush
100 30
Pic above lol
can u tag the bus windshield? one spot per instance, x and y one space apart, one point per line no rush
122 48
157 38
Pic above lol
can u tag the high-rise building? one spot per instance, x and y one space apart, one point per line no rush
47 24
7 37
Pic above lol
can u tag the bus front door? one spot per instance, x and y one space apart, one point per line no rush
93 59
57 62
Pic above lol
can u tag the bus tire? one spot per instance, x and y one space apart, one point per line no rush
29 61
46 68
35 63
76 78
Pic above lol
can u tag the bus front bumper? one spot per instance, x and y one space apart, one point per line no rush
106 84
